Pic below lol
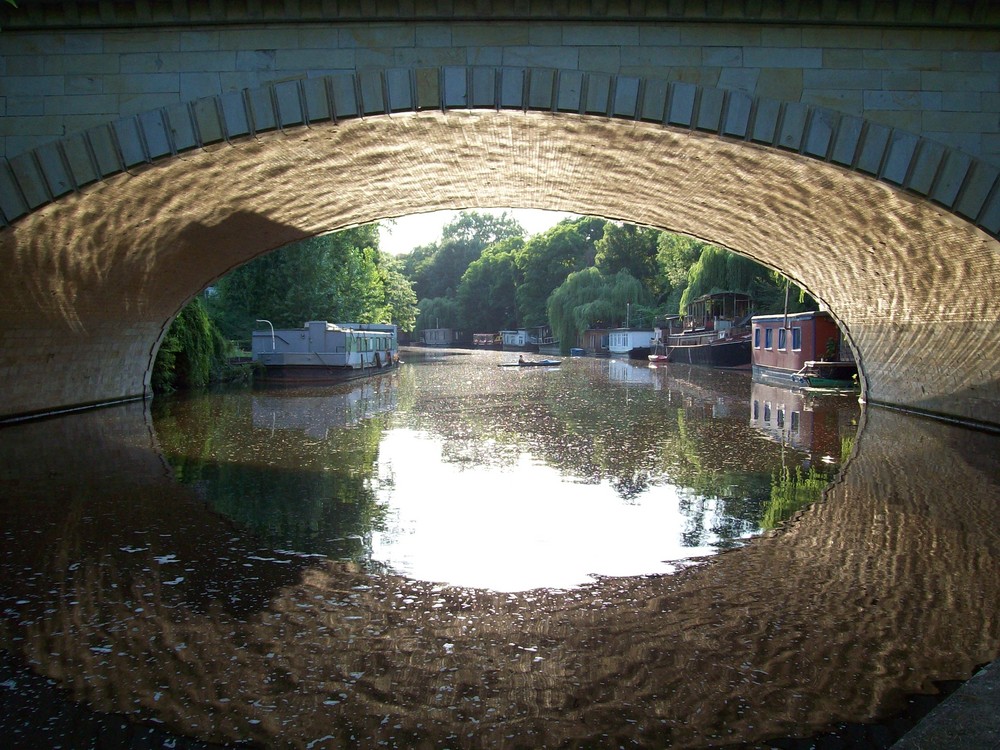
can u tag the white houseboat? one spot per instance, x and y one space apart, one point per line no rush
321 351
630 342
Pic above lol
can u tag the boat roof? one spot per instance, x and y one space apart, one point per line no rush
791 316
715 295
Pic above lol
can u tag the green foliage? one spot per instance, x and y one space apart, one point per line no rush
439 312
589 298
336 277
720 270
191 352
675 255
792 492
400 299
436 270
627 247
548 258
488 287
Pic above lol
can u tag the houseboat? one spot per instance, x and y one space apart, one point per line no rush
595 341
802 349
630 342
489 341
529 340
323 352
441 337
715 332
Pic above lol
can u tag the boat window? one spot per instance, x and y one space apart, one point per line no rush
768 338
756 338
796 339
782 337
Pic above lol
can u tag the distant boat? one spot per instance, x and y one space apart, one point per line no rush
492 341
802 349
325 352
533 363
715 333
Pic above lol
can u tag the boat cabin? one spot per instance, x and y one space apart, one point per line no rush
487 340
718 312
527 339
319 349
630 342
440 337
787 346
595 340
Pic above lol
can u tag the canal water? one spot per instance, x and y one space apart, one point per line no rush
462 555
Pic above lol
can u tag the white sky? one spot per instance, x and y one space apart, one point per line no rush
412 231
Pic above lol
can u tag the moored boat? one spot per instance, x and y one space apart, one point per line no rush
325 352
802 349
714 333
634 343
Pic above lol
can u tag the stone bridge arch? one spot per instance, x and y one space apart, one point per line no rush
110 231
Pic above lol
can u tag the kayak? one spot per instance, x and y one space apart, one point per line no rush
533 363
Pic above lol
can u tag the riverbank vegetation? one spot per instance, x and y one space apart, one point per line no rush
485 274
336 277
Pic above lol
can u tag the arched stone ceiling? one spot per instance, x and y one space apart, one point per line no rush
94 277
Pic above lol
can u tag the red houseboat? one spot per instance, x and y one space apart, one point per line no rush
803 349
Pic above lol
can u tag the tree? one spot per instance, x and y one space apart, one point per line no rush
399 296
336 277
438 312
548 258
191 351
675 254
481 230
627 247
718 270
486 293
589 298
436 270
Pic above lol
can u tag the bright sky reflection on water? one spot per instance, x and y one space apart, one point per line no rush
516 528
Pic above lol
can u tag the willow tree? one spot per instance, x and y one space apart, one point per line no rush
588 299
438 312
720 270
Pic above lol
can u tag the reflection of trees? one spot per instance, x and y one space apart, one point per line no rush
791 491
311 495
690 431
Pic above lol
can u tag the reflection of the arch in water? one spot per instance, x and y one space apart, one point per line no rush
314 411
122 588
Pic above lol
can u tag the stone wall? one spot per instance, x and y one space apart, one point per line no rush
931 69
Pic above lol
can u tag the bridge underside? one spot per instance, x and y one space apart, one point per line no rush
92 281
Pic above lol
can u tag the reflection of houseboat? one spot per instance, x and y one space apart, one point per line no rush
630 342
316 412
802 349
321 351
715 333
620 371
813 423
